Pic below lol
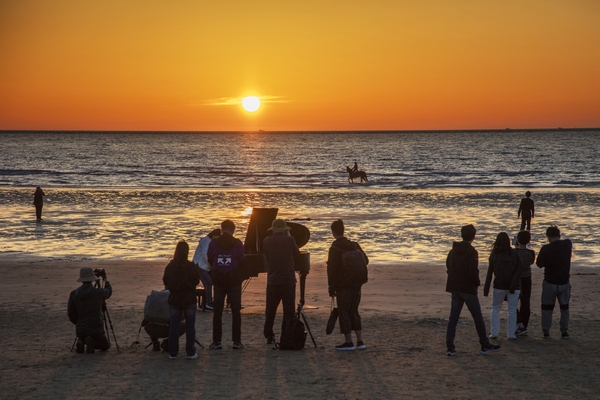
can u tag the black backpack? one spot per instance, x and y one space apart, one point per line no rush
293 336
355 272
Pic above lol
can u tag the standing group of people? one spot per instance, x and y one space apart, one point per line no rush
511 272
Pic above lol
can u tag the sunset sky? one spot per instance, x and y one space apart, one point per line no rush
315 65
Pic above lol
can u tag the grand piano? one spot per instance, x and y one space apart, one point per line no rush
254 261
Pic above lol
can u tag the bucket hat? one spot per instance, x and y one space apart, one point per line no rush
279 225
86 274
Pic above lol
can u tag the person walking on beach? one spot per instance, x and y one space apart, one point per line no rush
181 277
463 280
201 260
280 251
555 259
38 202
85 311
347 295
504 266
526 257
224 255
526 211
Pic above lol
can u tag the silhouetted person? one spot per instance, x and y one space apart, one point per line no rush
85 311
526 257
555 258
280 251
181 278
355 168
224 255
201 260
38 202
526 211
463 281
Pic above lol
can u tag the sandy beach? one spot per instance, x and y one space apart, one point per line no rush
404 310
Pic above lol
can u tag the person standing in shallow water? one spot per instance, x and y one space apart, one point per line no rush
526 211
463 281
38 202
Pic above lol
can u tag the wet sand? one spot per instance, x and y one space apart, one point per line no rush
404 310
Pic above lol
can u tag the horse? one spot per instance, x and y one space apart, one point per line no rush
358 174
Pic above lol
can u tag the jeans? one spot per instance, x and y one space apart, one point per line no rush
189 313
524 312
285 294
207 282
472 302
550 293
234 294
497 300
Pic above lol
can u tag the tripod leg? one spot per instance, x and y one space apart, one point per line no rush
308 328
107 317
198 343
73 345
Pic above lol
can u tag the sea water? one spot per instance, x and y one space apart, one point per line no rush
133 195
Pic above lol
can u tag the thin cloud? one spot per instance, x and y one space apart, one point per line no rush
232 101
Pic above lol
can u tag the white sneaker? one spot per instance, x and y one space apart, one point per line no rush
193 357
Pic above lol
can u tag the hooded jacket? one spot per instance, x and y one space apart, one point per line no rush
555 258
224 255
462 268
334 262
85 307
505 266
180 280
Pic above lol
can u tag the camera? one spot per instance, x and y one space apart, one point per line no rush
100 273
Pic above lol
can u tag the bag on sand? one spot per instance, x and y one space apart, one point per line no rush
332 319
355 272
156 308
293 336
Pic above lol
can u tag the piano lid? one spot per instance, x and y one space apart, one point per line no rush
258 229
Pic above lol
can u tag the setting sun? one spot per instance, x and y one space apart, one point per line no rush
251 103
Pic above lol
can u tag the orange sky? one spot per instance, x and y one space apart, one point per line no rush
317 65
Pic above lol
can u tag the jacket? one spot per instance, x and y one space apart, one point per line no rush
462 268
281 251
85 307
225 255
505 266
555 258
334 263
180 280
201 254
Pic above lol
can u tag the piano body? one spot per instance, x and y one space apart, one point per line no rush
258 229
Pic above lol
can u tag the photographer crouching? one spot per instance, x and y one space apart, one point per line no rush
85 309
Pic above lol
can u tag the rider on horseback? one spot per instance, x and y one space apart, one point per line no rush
355 168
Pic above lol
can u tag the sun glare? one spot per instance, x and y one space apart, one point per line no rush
251 103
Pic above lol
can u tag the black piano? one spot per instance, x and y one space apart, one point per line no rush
258 229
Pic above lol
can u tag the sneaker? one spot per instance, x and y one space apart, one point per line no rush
521 332
199 309
208 307
493 337
360 345
490 348
172 357
192 357
238 346
348 346
546 335
155 346
90 345
164 345
565 335
451 352
215 346
79 346
271 340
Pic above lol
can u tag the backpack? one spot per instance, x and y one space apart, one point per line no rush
156 308
293 335
354 265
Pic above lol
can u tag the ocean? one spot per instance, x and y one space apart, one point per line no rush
132 195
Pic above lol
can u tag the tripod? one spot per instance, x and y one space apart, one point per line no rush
107 321
299 311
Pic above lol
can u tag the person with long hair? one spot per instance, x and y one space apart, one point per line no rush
504 266
181 278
